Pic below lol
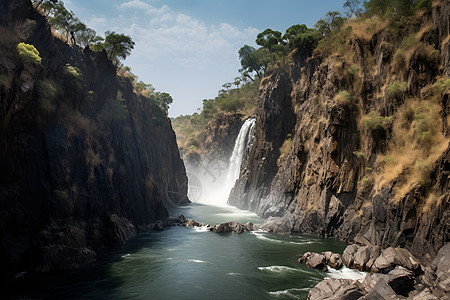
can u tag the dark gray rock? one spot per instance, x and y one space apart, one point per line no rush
192 223
365 256
348 256
337 289
232 227
392 257
314 261
437 274
401 280
334 260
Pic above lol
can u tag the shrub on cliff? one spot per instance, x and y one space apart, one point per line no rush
397 89
373 121
28 53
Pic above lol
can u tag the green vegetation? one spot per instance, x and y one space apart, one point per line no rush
117 46
353 70
359 154
242 99
396 90
161 99
28 53
373 121
343 97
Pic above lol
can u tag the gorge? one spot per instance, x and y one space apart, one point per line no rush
341 146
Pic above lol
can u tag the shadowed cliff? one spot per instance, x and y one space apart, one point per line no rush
85 162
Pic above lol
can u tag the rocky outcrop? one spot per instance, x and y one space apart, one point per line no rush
437 274
395 285
396 274
233 227
334 180
334 260
390 258
85 162
220 135
314 261
320 261
332 289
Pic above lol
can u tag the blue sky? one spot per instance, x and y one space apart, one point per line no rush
189 48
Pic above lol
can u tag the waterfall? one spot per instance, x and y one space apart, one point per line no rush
240 146
211 181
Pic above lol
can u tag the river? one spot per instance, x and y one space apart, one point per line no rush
184 263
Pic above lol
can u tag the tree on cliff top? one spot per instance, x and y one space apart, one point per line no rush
300 36
253 60
117 46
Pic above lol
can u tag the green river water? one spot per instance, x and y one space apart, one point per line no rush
184 263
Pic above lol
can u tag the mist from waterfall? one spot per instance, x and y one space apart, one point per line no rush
210 182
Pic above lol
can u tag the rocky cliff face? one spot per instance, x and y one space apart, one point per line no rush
360 166
85 163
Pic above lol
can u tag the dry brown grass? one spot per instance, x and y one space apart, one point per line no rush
364 29
432 200
285 149
416 145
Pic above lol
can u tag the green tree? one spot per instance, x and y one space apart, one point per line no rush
163 100
269 39
333 21
44 3
231 104
353 8
60 18
85 36
300 36
253 60
117 46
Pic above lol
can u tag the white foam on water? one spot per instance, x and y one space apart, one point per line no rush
283 269
199 261
204 228
288 293
346 273
261 235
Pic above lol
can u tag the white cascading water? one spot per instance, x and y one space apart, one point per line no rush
213 180
240 146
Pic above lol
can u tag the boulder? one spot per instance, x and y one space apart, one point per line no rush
192 223
314 261
334 260
232 227
360 257
333 289
381 290
422 294
348 256
401 280
392 257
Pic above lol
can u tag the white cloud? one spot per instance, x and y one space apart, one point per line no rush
184 47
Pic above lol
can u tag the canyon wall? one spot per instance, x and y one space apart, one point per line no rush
361 162
85 162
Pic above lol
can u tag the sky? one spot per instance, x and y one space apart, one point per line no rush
190 48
